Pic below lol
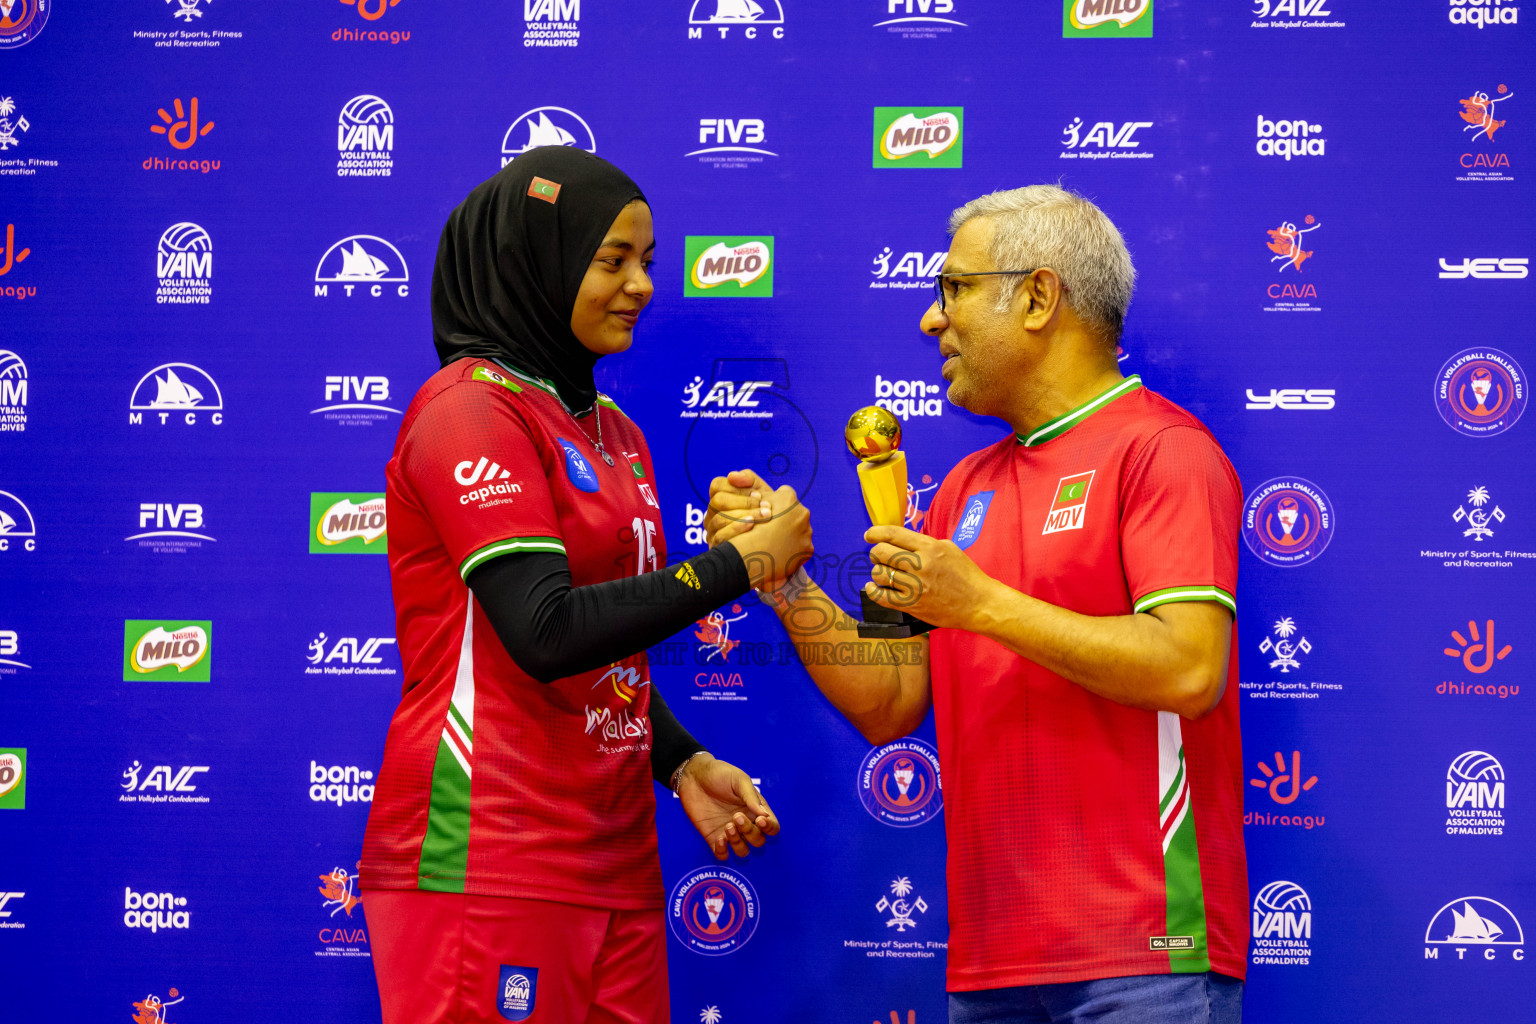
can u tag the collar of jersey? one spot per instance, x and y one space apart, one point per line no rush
1066 421
544 384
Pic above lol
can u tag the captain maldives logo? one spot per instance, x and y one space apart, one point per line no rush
347 524
729 267
918 136
176 650
1106 19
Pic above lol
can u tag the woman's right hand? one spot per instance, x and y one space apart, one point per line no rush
770 529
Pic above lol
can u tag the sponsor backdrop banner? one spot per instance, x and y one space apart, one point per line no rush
220 219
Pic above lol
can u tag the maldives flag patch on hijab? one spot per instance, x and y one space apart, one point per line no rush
543 188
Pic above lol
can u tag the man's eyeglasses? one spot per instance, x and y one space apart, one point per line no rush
939 279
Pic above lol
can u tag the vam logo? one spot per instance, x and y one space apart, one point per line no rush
8 127
170 527
10 650
903 133
1301 14
546 126
1474 795
362 261
165 784
552 23
346 524
974 519
899 783
176 388
1293 399
184 266
151 1009
1474 921
21 21
1489 268
13 393
1106 19
340 784
13 778
1105 140
749 18
1483 13
913 270
349 656
155 911
1479 518
907 398
919 19
902 910
714 261
519 991
176 651
5 915
1281 649
18 530
356 401
1282 925
1289 138
365 138
1480 392
737 143
1287 521
713 911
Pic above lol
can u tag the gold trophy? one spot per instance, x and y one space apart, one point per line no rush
874 435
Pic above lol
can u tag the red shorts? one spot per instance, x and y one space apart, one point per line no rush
447 958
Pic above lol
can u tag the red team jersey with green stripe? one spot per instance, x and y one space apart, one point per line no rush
1088 839
494 783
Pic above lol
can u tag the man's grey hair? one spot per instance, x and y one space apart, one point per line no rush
1048 226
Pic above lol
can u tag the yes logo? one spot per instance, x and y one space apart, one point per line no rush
905 133
1477 650
184 129
1106 19
177 651
714 261
1070 505
343 524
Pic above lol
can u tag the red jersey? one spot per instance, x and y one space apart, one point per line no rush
1088 839
494 783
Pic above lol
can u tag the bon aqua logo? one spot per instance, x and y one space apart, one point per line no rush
174 650
347 524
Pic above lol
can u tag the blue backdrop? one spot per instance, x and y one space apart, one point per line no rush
221 220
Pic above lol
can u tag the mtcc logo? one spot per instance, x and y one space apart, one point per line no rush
1282 925
1480 392
546 126
1479 518
1289 138
1282 649
1104 140
713 911
1287 521
1474 921
153 911
13 393
340 784
1483 13
186 10
184 266
913 270
365 139
1474 795
900 907
1477 650
366 262
1489 268
176 393
748 17
899 783
18 530
8 127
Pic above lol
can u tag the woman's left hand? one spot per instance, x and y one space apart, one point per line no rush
725 807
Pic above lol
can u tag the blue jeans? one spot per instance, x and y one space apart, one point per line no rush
1207 998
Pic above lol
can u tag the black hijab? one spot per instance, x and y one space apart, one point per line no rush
511 260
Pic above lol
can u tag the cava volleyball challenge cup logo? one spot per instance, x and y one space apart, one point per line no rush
1480 392
21 21
1287 521
899 783
713 911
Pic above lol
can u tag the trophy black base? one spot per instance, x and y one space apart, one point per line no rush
882 623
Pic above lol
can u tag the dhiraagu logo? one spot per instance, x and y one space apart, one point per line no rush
918 136
739 267
347 524
1106 19
174 650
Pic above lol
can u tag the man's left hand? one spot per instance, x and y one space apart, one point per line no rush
725 807
929 578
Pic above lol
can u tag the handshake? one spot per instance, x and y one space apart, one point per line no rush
769 527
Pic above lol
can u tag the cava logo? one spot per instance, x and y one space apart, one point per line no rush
1282 925
1286 139
349 656
714 635
342 934
1287 521
907 398
744 266
1103 141
546 126
365 139
1474 795
713 911
1292 399
1487 269
155 911
339 784
184 266
919 19
346 524
169 528
21 21
913 270
731 144
744 19
13 393
356 401
1287 245
1480 392
366 263
1106 19
176 393
177 651
1471 923
552 23
18 530
1484 13
1483 117
1293 14
13 778
152 1009
920 137
10 650
9 128
164 784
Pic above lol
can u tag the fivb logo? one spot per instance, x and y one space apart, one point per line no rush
751 17
908 397
551 23
340 784
169 526
919 19
175 651
912 271
13 393
10 645
934 133
714 261
1282 925
1289 138
154 911
184 266
163 784
18 530
1105 140
362 261
1483 13
176 388
365 138
546 126
346 523
1474 921
1474 795
736 141
1487 269
356 401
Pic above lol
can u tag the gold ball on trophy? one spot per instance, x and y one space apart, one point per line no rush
873 433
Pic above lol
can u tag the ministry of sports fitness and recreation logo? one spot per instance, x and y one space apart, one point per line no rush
737 267
918 19
154 1010
1282 925
356 401
170 527
1484 13
13 778
178 393
342 934
899 783
1480 392
1475 921
349 656
11 124
1482 116
162 784
184 266
347 524
1284 650
901 905
913 270
173 650
1287 521
731 143
517 991
21 21
919 136
1106 19
365 138
1479 520
1474 795
744 19
1287 139
713 911
546 126
1287 245
1282 14
1106 140
552 23
365 264
13 393
18 530
1285 647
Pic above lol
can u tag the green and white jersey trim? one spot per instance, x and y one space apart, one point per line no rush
1191 593
445 845
1186 938
545 384
1066 421
508 546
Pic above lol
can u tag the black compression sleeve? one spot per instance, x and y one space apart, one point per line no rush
553 630
671 744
